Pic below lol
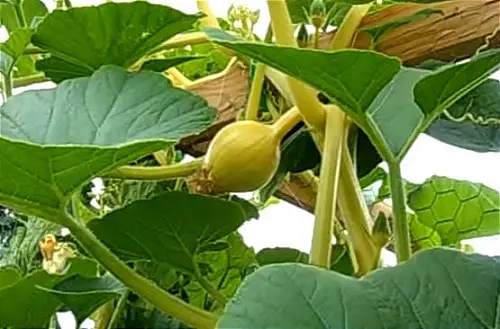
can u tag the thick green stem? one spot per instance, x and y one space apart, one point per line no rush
147 289
118 309
21 18
327 190
286 122
169 172
401 227
212 291
316 38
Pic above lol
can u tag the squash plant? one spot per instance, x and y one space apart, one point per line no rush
165 237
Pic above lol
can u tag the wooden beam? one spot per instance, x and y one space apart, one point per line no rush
455 35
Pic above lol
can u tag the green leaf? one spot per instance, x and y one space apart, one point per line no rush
438 91
473 122
53 141
377 31
84 295
439 288
82 39
176 226
12 49
33 11
226 270
281 255
160 65
8 276
455 209
42 305
351 77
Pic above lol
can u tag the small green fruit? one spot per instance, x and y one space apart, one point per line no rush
242 157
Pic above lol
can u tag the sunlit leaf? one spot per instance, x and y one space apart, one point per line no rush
82 39
53 141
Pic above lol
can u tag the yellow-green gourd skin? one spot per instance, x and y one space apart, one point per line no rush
242 157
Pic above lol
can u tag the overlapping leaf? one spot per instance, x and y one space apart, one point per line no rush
42 305
439 288
169 228
53 141
82 39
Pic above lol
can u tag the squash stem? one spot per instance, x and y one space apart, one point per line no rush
401 227
169 172
304 96
147 289
327 190
286 122
21 17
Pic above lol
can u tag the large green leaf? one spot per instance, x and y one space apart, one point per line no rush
473 122
226 269
12 49
169 228
25 294
82 39
440 288
351 77
33 11
455 210
53 141
83 295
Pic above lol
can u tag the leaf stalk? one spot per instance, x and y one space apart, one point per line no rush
21 17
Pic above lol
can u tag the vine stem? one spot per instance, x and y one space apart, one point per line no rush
173 171
216 294
401 227
147 289
209 20
6 87
286 122
122 301
327 190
